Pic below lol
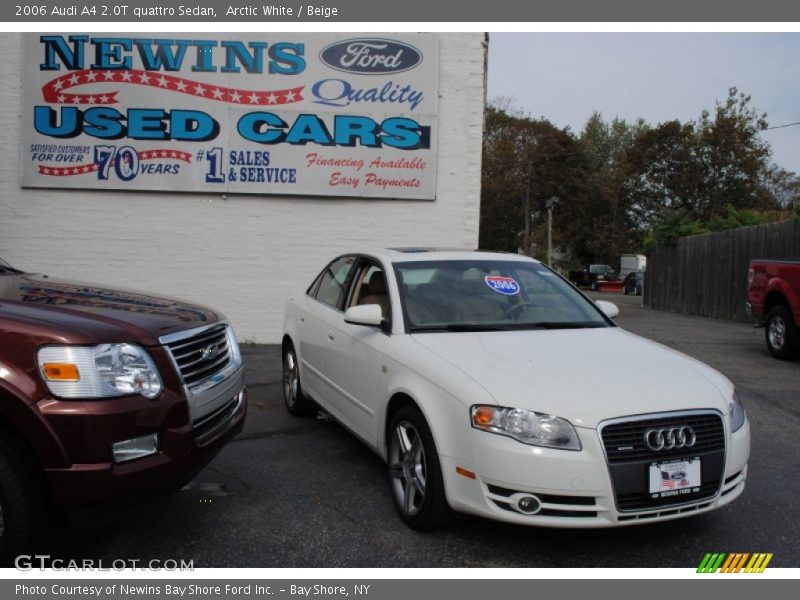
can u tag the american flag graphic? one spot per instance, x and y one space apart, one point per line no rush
56 91
666 480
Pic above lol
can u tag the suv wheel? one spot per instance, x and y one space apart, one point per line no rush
22 497
781 333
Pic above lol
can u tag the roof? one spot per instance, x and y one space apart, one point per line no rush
420 253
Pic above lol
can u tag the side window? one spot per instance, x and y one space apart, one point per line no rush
370 287
331 286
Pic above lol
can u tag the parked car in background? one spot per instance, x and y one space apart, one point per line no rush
773 301
105 395
592 275
633 283
458 369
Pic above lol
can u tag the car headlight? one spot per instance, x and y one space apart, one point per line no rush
103 371
736 412
526 426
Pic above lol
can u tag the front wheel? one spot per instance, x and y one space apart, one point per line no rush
296 402
781 333
415 475
22 498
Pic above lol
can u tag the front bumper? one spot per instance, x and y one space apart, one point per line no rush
87 430
575 488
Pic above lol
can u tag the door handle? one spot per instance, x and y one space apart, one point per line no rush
331 336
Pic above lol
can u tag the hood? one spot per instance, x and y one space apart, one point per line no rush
98 311
582 375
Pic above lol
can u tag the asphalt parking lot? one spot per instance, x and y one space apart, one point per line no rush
304 493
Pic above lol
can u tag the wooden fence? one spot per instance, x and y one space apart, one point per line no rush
706 274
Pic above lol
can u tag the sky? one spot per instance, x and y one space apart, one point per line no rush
564 77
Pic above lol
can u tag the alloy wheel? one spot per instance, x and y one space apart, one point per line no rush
291 378
407 468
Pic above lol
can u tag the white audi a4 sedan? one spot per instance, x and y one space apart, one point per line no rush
491 386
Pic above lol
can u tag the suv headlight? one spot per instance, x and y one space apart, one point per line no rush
736 412
103 371
526 426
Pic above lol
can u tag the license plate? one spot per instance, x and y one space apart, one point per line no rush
675 478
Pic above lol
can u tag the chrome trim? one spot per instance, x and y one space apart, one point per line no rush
233 408
187 333
216 363
194 362
666 415
194 393
220 333
670 438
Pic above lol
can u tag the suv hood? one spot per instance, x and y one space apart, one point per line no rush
98 312
582 375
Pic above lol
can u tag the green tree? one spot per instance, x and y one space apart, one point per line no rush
606 227
626 186
701 168
525 162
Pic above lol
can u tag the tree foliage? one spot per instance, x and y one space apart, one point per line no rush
525 162
625 186
676 224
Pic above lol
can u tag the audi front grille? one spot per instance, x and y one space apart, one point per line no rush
629 457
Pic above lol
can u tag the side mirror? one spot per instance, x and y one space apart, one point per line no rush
610 309
364 314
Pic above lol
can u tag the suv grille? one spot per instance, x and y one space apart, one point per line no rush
624 442
203 355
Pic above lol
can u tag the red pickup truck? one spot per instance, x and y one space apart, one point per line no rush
773 300
104 395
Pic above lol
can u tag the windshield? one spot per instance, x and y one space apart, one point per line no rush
489 295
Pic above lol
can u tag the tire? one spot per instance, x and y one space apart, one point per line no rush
783 339
624 289
22 497
415 475
296 402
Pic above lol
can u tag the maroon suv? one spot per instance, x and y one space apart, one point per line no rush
106 394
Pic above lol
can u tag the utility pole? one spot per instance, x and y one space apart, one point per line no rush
526 235
549 206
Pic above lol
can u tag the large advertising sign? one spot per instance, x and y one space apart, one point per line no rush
310 114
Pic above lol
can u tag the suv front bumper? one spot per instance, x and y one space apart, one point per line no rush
183 449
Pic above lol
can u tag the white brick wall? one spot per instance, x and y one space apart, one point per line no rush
246 254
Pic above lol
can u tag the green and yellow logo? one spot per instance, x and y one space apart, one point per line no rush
737 562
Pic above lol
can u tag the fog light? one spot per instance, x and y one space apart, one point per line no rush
135 448
529 505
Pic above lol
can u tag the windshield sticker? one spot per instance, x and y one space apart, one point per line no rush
502 285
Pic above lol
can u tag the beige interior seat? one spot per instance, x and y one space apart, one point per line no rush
377 292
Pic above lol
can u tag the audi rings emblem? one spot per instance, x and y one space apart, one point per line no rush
669 438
